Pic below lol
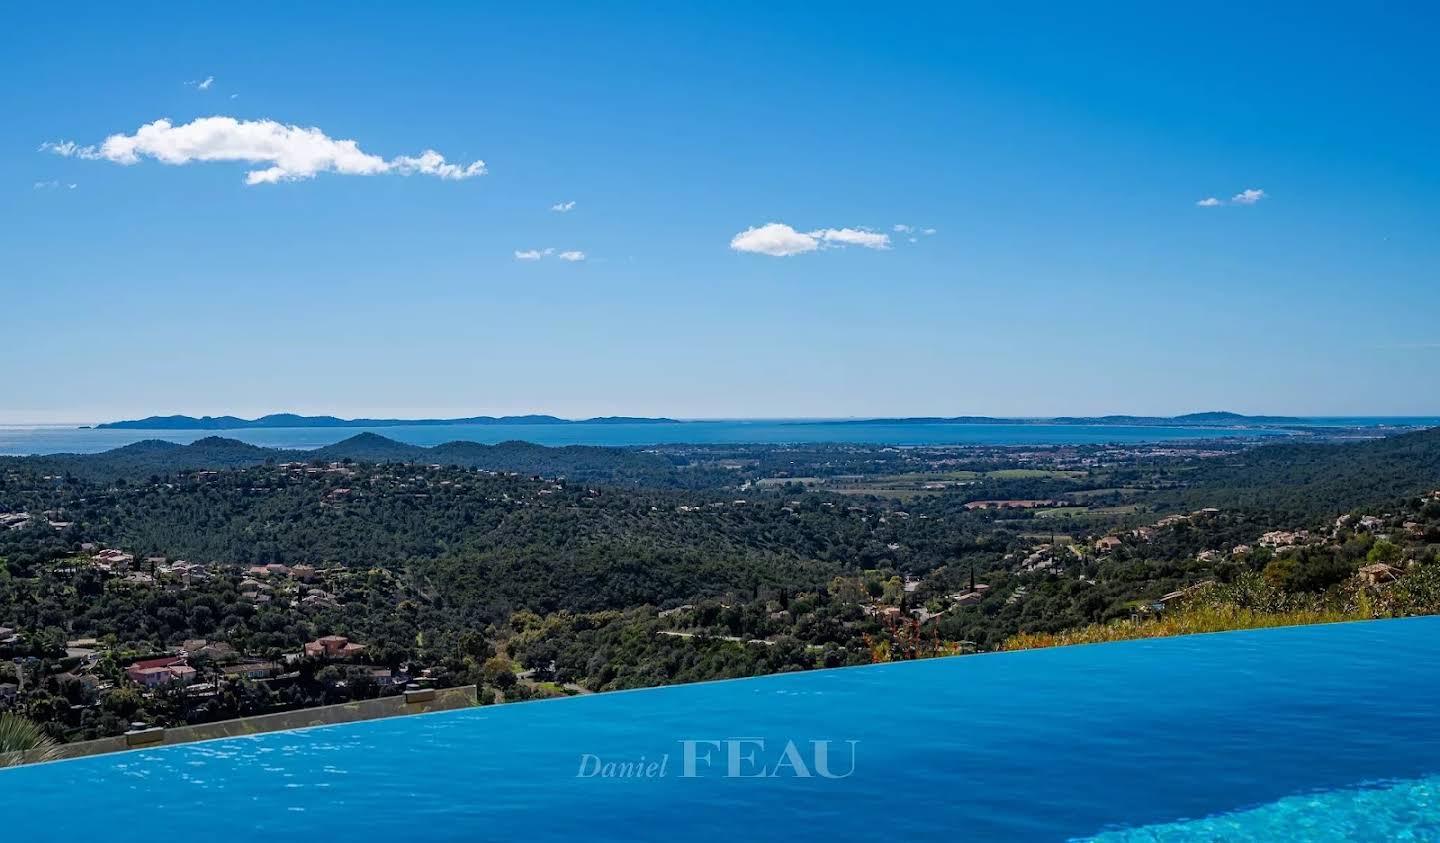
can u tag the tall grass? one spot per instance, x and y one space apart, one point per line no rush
1186 621
1252 603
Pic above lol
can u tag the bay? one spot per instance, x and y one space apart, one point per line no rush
53 439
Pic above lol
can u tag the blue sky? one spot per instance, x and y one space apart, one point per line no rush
1058 154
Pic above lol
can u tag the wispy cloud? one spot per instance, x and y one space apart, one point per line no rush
853 237
293 153
563 207
1248 196
201 84
569 255
53 184
779 240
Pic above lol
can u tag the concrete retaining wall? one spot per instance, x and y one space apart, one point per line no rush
410 702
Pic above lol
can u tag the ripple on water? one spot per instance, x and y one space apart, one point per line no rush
1402 810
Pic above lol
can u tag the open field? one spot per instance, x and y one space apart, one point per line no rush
1086 494
1033 473
1075 511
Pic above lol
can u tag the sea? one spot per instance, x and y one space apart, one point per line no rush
53 439
1317 733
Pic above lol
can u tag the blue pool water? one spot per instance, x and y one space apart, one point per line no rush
1317 733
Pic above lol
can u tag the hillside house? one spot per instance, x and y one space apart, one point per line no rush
152 673
333 647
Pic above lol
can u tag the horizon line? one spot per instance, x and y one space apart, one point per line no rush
76 422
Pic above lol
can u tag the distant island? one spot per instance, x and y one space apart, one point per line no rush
1209 419
292 420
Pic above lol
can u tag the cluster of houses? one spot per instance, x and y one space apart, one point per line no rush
199 665
14 520
1110 543
711 505
1387 526
965 597
258 583
1276 539
262 583
1050 557
21 520
1053 558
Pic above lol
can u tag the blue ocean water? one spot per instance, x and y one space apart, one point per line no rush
1327 732
55 439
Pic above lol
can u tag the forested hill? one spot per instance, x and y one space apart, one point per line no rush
1301 479
1288 479
151 457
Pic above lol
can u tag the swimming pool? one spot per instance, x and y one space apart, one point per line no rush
1304 733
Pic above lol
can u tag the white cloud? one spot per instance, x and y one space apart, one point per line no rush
901 228
206 83
53 184
572 255
1245 197
432 163
780 240
927 232
563 207
775 239
853 237
293 153
66 148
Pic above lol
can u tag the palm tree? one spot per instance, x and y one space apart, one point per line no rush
22 741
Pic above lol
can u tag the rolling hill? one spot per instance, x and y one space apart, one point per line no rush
143 459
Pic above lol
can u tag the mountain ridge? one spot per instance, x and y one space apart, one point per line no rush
155 456
293 420
181 422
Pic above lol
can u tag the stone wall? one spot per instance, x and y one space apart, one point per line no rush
410 702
